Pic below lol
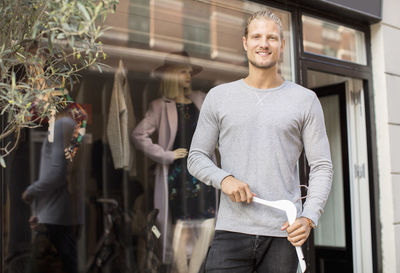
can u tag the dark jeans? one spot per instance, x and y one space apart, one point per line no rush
243 253
54 244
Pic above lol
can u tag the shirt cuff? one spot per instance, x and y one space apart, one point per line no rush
30 190
312 216
218 177
170 157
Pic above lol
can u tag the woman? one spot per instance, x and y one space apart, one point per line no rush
182 200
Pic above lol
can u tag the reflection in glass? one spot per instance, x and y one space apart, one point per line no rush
143 33
331 228
186 206
333 40
210 31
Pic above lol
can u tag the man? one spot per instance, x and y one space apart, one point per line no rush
53 218
261 124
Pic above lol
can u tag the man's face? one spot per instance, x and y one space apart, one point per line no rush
263 43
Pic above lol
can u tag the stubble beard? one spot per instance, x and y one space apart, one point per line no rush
265 66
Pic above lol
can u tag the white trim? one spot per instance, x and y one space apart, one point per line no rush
359 184
386 208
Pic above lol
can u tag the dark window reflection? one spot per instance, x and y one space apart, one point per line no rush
120 207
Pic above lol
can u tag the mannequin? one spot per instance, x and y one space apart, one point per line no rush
187 206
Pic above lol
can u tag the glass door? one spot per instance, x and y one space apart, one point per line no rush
342 241
332 239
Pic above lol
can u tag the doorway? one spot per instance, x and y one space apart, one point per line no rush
333 247
339 244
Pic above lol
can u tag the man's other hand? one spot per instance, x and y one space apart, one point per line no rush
298 232
27 198
33 222
237 190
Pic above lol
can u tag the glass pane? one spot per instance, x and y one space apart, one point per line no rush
331 228
141 238
333 40
208 30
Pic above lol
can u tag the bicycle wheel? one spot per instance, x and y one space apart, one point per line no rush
103 256
18 263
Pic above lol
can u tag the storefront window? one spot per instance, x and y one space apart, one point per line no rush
333 40
126 177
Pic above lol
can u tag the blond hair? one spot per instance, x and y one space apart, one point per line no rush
169 86
267 15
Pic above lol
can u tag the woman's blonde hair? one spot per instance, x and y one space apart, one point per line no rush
170 83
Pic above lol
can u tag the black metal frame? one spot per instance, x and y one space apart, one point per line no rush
346 173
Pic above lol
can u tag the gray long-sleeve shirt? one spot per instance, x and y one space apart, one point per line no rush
52 202
260 136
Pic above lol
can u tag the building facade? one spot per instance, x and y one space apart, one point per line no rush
343 50
384 36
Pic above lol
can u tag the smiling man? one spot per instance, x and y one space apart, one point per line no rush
261 124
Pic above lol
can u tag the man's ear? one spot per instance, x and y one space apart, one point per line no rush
283 43
244 40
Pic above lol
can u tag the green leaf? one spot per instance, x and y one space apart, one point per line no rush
66 27
50 43
13 84
84 11
2 162
2 67
35 30
98 7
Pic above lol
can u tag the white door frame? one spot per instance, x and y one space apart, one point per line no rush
359 177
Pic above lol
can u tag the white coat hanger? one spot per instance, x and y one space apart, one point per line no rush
291 213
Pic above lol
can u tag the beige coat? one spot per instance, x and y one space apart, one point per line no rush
121 121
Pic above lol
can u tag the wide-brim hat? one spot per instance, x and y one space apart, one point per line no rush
178 58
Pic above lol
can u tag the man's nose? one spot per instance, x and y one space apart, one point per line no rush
264 43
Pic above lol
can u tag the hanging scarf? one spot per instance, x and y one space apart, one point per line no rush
79 115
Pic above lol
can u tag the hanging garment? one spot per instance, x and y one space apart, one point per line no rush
121 121
79 115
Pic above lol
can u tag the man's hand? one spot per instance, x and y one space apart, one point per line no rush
237 190
27 198
298 232
33 222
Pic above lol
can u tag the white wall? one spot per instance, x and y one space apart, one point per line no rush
386 72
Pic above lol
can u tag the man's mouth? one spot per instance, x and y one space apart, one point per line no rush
263 53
